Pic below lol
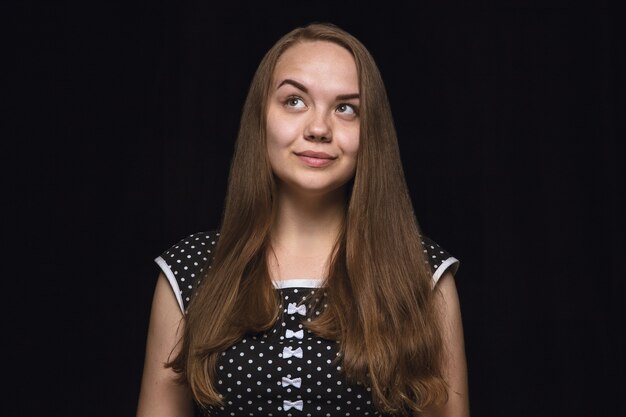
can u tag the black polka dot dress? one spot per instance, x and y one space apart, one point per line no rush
287 371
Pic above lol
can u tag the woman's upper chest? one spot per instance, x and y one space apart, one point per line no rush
289 371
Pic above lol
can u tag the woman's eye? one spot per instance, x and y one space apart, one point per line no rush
347 109
295 102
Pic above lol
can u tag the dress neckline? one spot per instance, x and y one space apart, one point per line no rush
298 283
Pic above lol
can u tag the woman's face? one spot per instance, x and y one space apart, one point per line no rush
312 118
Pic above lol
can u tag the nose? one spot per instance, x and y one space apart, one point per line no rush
318 128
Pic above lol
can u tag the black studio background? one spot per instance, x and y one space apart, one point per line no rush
119 126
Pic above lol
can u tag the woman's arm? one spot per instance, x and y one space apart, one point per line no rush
160 394
455 367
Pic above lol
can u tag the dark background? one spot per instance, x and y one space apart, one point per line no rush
119 125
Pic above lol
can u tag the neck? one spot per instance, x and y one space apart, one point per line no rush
306 223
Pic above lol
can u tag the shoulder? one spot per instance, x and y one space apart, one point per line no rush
439 259
185 263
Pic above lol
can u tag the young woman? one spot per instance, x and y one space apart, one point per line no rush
318 296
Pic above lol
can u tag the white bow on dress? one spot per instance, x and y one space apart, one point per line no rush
290 333
296 382
292 308
295 404
288 352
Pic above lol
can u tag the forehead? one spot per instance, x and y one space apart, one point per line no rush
315 62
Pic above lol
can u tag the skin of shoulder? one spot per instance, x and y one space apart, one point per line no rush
161 394
455 368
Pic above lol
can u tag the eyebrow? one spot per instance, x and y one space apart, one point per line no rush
301 87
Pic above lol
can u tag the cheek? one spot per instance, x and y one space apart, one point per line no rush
273 151
280 130
272 138
350 148
271 129
351 143
277 141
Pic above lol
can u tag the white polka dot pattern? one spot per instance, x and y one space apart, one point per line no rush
286 371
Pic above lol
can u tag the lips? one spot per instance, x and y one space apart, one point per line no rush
316 159
319 155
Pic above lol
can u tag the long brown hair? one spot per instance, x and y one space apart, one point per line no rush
380 297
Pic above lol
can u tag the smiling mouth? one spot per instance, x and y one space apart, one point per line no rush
315 162
318 155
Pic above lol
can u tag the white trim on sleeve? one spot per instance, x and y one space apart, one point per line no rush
451 262
172 280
